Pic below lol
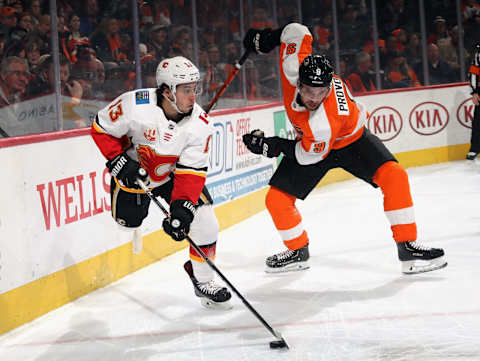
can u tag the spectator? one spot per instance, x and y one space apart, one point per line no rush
471 22
74 27
25 22
115 79
362 80
149 70
32 53
448 49
440 30
439 71
99 81
158 41
156 14
260 18
181 43
394 16
14 78
323 33
352 32
44 81
401 37
8 19
399 74
85 72
43 32
89 17
217 68
35 11
413 50
105 40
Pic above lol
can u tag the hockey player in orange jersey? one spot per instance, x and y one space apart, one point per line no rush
331 133
164 131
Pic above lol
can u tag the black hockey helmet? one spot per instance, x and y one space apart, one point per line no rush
316 71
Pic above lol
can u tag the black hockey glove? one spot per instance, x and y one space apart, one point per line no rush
126 170
269 146
258 144
177 225
262 41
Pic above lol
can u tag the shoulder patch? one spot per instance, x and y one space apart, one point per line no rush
142 97
342 104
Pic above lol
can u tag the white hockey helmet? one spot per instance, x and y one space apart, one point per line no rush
175 71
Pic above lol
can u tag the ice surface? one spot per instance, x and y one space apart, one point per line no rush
352 304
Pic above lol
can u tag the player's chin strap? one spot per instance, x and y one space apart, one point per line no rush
173 103
163 208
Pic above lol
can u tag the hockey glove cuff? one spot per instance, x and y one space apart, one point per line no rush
262 41
126 170
177 225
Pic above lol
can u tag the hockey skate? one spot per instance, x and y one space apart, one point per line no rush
288 260
211 295
472 155
417 258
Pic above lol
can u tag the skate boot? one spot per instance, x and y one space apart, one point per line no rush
417 258
472 155
288 260
211 295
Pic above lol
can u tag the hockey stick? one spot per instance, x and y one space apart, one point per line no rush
280 342
238 66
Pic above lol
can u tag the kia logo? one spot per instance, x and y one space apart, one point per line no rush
385 122
428 118
465 113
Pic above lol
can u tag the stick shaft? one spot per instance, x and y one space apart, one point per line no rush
212 265
232 75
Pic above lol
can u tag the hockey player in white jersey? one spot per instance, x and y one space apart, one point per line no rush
164 131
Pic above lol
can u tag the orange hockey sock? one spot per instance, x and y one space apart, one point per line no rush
397 200
286 218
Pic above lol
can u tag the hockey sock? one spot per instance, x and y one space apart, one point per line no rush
397 201
201 270
286 218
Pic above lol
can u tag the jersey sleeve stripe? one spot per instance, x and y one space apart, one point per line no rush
191 172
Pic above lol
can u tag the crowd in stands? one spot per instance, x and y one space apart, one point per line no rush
399 42
97 58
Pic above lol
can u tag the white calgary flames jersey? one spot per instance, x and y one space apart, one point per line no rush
135 122
338 121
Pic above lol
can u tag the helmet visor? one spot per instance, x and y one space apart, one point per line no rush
187 89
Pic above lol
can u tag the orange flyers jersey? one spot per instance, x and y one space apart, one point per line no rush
160 145
338 121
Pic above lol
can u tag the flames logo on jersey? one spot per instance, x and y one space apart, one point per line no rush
157 165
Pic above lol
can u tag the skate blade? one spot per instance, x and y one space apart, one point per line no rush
208 303
299 266
420 266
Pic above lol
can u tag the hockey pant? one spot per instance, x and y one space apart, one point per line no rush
130 208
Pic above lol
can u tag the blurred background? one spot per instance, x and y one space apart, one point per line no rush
63 60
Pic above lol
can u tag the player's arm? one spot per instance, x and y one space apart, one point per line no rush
109 132
189 179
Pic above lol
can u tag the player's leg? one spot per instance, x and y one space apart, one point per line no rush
475 136
204 232
373 162
291 181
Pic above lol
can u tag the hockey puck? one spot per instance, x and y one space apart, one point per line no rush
278 344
